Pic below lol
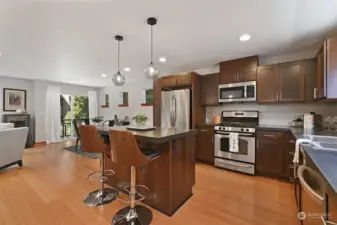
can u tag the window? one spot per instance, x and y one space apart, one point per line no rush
149 96
125 98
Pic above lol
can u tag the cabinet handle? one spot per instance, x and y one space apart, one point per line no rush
315 93
291 179
204 130
269 135
291 153
257 144
292 141
237 77
291 166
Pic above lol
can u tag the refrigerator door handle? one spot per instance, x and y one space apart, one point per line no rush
171 111
175 110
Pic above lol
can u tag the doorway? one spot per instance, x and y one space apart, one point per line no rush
73 107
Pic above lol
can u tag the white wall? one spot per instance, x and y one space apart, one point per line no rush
136 98
276 114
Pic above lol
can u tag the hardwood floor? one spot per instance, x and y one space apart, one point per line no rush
50 187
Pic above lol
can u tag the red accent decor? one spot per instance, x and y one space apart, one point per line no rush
104 106
123 105
146 104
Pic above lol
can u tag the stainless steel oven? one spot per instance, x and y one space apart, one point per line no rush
238 92
246 151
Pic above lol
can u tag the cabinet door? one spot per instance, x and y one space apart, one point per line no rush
184 80
333 208
270 154
209 89
331 67
247 75
267 84
228 77
319 79
291 83
168 81
204 147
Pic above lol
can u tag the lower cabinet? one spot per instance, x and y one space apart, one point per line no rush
204 144
273 155
333 209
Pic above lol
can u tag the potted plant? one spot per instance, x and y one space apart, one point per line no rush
97 119
140 119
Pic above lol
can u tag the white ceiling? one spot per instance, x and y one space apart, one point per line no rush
72 40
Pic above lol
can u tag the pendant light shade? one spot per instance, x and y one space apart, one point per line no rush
118 79
152 70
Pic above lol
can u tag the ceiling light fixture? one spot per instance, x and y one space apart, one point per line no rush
245 37
162 59
103 75
118 79
126 69
152 70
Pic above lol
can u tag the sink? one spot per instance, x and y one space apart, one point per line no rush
321 139
325 143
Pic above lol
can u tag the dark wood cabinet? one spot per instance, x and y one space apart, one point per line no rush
291 83
209 89
238 70
270 154
267 84
326 71
168 81
204 144
333 208
286 82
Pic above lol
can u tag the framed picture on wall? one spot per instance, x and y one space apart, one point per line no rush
14 99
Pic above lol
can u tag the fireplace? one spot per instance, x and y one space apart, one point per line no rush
21 120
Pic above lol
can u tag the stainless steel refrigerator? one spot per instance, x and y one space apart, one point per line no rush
176 108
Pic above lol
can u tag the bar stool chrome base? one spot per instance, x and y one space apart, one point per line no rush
139 215
100 197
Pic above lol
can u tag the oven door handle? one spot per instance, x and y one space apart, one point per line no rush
228 133
236 164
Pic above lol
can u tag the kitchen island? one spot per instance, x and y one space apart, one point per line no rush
170 177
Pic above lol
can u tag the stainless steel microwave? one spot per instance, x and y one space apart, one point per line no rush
238 92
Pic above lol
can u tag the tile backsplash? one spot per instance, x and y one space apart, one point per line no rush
276 114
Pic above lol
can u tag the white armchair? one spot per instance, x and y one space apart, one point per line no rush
12 145
6 125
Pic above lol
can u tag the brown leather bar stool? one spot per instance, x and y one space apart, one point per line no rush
92 143
126 152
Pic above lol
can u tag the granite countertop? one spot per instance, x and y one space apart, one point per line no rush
282 128
159 135
325 161
205 125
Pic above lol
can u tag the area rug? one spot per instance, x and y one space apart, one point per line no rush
78 151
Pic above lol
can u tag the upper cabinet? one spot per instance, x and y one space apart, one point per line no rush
238 70
267 84
174 81
285 82
326 71
209 89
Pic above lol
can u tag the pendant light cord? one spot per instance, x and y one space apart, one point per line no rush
118 55
151 44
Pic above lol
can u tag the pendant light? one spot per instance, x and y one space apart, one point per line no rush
152 70
118 79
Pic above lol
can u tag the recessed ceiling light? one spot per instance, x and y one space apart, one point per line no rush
103 75
162 59
126 69
245 37
0 53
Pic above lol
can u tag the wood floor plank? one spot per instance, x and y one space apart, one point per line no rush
49 189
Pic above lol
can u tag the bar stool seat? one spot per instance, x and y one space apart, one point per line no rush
91 142
126 152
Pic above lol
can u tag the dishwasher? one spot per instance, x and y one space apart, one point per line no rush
312 201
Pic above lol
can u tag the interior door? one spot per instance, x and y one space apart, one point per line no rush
166 109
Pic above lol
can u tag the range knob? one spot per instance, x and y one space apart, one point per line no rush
247 129
242 129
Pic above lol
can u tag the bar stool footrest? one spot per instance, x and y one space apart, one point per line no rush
139 195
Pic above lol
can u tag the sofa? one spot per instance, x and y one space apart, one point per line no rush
12 145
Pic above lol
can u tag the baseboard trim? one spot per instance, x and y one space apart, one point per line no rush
39 144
